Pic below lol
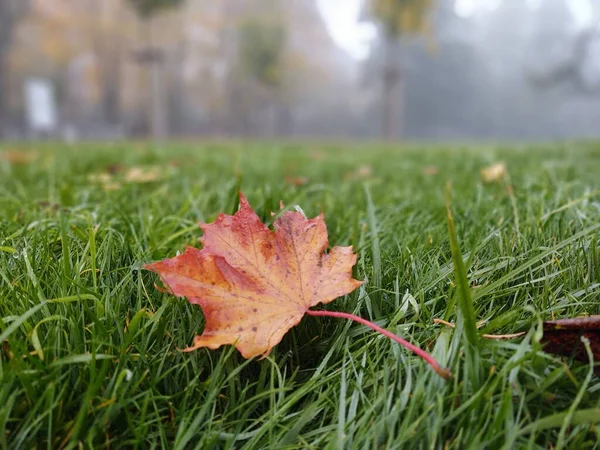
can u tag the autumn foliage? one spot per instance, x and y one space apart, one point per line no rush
254 284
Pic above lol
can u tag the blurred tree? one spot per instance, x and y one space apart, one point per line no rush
262 47
80 49
279 68
153 58
505 36
447 94
148 8
107 40
11 11
396 19
563 68
262 59
571 56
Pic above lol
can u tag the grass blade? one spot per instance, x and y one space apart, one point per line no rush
465 300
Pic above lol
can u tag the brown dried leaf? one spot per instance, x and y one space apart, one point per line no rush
563 337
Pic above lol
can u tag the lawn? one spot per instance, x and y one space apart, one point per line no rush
90 348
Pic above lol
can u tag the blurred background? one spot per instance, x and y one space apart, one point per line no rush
374 69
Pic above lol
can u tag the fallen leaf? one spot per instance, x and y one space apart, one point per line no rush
142 174
111 179
114 169
495 172
106 181
18 157
431 171
254 284
113 186
296 181
364 171
563 337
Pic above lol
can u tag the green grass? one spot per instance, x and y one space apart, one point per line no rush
89 352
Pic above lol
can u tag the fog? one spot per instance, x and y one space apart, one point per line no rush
445 70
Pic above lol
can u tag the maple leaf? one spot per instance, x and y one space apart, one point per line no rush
254 284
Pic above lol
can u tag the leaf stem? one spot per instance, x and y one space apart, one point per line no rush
441 371
487 336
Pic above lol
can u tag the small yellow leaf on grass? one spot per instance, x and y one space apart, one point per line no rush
142 175
106 181
99 178
111 180
494 173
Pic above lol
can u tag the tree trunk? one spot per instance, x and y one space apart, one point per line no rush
6 26
108 50
110 61
391 99
272 111
11 11
284 121
4 114
158 119
176 92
